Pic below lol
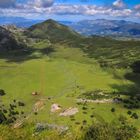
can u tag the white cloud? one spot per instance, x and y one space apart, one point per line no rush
119 4
66 9
7 3
40 3
43 10
137 7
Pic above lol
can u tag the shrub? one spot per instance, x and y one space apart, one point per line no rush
98 132
2 117
135 116
91 116
136 67
122 119
125 132
84 112
35 113
21 103
84 122
2 92
78 123
129 112
84 108
113 110
5 111
22 112
104 131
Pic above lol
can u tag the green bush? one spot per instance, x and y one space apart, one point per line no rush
98 132
2 92
125 132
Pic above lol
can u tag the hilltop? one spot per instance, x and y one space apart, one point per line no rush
52 30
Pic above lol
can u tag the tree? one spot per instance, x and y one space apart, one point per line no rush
21 103
125 132
2 117
113 110
136 67
98 131
2 92
135 116
129 112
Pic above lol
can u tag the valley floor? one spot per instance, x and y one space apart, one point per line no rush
61 81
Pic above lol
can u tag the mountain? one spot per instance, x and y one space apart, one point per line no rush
52 30
102 27
8 41
13 39
18 21
107 27
107 51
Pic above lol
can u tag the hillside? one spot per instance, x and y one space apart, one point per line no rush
106 50
110 52
12 38
67 86
7 40
52 30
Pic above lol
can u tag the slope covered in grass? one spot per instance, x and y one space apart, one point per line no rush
63 67
53 31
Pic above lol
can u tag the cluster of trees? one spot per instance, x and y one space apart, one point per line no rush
136 67
97 95
105 131
132 103
10 114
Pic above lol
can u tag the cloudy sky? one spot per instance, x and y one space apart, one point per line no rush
71 9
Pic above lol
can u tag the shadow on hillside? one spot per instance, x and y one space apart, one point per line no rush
129 89
17 56
20 56
46 51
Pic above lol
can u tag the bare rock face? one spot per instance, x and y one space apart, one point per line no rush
9 40
69 112
45 126
55 108
35 93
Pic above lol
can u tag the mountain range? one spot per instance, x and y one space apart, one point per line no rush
101 27
105 27
108 51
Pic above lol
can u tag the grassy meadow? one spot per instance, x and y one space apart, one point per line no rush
62 76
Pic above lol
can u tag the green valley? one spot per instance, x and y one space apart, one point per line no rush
86 81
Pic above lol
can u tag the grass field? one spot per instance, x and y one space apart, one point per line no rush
59 77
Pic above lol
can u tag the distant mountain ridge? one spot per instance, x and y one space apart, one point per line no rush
101 27
105 27
18 21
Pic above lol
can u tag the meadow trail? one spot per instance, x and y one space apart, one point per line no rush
70 80
39 104
42 101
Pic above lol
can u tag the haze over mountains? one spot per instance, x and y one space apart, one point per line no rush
107 27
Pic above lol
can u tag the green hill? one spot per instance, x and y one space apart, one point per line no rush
52 30
111 52
61 68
